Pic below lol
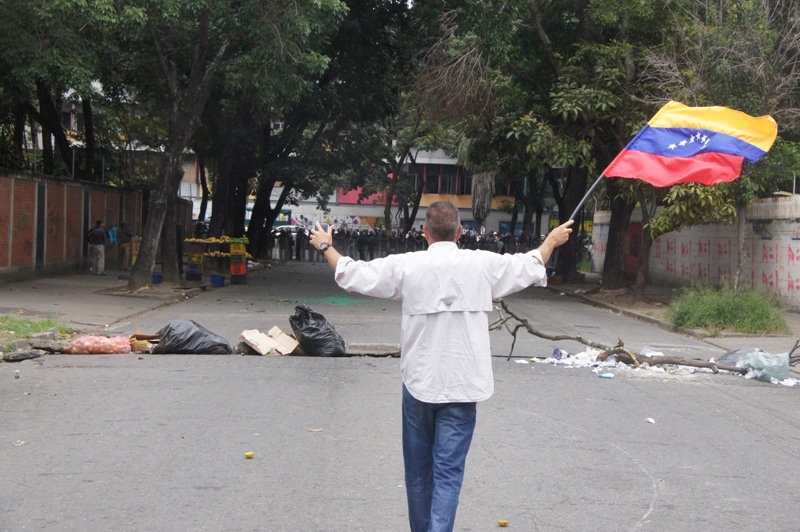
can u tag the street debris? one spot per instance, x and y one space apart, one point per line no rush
750 362
650 420
187 337
249 455
274 343
765 366
316 335
95 345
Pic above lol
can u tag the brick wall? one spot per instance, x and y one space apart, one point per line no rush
54 219
63 227
5 221
75 235
23 222
97 209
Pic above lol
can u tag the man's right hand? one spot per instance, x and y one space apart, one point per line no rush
556 237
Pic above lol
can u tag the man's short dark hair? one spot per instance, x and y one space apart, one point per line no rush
442 221
98 223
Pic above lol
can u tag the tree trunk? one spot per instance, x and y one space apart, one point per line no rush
482 189
411 217
567 260
387 206
514 215
48 160
614 263
51 121
170 261
201 162
19 136
166 185
741 229
91 145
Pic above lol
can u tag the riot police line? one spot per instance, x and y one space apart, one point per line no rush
369 244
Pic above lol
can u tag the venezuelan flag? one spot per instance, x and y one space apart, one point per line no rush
683 144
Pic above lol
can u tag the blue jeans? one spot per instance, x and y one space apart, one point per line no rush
436 439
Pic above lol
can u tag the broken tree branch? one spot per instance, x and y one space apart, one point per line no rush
523 322
623 354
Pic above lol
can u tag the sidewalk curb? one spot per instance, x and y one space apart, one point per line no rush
630 314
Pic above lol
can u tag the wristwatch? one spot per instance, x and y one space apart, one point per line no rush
324 246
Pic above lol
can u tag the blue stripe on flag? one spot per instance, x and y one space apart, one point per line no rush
687 142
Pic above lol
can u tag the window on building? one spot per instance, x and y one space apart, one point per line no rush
502 189
464 182
448 179
432 174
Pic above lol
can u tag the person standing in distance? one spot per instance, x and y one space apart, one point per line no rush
446 363
125 238
97 248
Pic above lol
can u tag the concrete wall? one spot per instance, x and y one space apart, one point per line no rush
43 222
710 253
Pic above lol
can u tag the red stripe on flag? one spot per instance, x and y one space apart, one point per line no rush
706 168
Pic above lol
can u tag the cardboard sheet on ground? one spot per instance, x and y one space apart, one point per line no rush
274 343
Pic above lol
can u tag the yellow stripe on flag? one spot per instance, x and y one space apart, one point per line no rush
758 131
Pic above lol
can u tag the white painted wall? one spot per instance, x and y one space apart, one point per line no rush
709 253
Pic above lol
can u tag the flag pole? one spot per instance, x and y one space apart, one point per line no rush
586 196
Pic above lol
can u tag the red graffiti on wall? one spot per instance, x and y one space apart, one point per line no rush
794 284
670 266
723 250
670 246
723 275
767 253
702 272
794 255
703 247
767 280
686 249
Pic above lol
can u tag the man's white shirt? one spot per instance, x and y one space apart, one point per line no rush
447 296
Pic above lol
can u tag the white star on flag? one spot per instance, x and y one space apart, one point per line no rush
672 146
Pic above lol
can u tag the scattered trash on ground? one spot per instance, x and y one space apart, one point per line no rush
755 364
249 455
650 420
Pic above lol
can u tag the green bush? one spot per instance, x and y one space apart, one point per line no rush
718 310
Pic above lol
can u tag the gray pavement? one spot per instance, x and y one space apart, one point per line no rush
155 442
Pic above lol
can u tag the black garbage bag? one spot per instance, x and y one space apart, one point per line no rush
185 337
316 335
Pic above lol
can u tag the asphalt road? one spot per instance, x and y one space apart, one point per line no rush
155 442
